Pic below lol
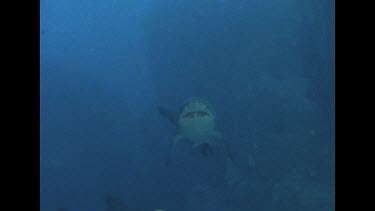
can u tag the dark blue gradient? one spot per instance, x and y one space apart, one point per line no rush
266 67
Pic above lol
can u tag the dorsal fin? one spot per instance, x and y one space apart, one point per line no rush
169 114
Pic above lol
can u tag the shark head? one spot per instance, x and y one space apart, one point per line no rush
196 120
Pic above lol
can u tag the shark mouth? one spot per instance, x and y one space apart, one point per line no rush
195 114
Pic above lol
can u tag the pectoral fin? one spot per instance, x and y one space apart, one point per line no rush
168 114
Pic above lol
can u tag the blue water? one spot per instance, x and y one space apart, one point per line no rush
266 67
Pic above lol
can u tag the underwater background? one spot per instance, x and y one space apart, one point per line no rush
265 66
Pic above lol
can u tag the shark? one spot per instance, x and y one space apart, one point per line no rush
195 123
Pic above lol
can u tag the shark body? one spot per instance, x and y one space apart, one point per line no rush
195 122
